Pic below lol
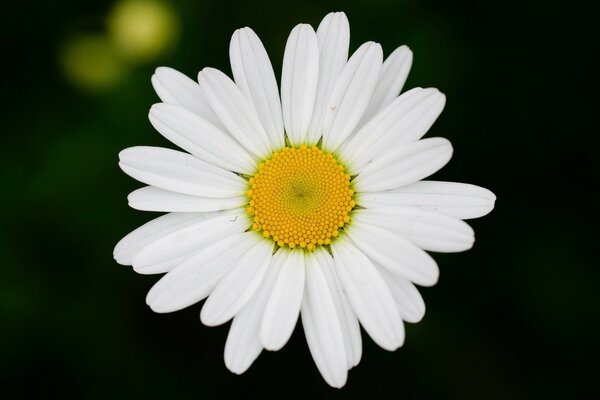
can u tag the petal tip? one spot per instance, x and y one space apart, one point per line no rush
118 257
302 29
235 369
269 343
162 70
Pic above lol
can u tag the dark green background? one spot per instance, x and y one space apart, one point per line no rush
514 318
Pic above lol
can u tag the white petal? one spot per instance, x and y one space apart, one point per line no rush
151 231
390 250
404 165
408 299
369 295
333 36
173 87
299 78
458 200
404 121
243 343
179 172
254 76
393 75
167 265
347 317
322 326
284 303
351 94
150 198
237 287
210 228
235 112
200 138
195 279
429 231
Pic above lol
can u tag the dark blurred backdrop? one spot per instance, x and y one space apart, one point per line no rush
514 318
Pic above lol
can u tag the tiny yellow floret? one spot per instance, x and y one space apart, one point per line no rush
300 197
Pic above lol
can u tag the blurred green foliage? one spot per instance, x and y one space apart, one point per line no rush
513 318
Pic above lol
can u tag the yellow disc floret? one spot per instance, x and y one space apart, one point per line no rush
300 197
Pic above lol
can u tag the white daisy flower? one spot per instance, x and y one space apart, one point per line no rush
310 204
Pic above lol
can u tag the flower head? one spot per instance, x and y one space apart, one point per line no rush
310 204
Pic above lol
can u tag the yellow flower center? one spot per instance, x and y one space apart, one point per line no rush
300 197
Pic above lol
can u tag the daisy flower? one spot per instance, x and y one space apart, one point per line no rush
306 201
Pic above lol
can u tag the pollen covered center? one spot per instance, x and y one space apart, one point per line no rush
300 197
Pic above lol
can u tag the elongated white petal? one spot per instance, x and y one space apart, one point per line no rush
458 200
406 164
191 238
429 231
322 326
393 75
195 279
179 172
150 198
151 231
200 138
167 265
173 87
284 303
404 121
408 299
369 295
390 250
234 111
237 287
348 321
299 78
243 342
351 94
254 76
333 36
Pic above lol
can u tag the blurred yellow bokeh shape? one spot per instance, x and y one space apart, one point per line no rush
142 30
138 31
90 62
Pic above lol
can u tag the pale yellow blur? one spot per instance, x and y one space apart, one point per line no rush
143 30
90 62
